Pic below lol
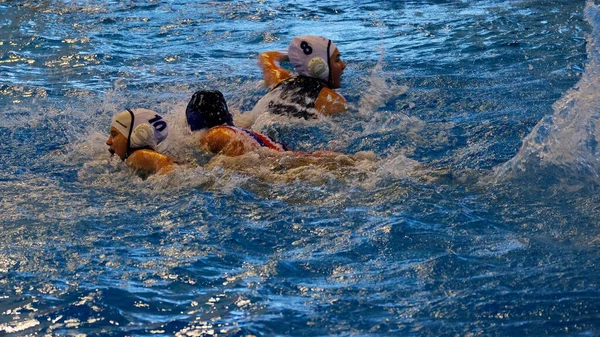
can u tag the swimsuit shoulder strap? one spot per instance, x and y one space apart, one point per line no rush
262 140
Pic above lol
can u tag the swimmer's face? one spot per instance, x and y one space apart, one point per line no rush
117 143
337 66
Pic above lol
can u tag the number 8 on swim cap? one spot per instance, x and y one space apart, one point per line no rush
310 56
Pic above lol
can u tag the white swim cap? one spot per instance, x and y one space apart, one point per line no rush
310 56
142 127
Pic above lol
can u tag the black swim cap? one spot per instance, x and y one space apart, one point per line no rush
206 109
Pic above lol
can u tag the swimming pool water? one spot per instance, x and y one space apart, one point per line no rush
479 216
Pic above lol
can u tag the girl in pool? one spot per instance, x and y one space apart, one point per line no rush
134 135
311 92
208 117
207 112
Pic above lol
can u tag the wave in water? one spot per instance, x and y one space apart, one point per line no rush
564 146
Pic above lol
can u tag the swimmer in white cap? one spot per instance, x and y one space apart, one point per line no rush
311 92
134 135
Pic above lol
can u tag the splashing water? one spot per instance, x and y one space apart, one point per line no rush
396 236
566 143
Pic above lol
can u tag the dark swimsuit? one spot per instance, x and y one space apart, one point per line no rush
295 97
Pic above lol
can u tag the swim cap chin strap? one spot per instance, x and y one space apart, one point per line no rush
128 152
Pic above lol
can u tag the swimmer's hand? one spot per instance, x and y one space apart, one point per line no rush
273 73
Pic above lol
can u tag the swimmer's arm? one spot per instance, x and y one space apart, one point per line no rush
272 71
151 161
329 102
295 159
223 141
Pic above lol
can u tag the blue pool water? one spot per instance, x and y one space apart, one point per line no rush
479 216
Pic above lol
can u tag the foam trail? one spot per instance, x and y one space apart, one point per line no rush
568 140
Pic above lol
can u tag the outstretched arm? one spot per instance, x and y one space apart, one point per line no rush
272 71
328 159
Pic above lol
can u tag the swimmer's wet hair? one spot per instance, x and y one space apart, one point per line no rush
206 109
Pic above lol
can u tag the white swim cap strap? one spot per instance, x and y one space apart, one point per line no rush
128 152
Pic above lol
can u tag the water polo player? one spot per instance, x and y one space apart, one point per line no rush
207 112
311 92
134 135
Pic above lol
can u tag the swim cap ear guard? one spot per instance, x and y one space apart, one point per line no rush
206 109
310 56
142 136
318 68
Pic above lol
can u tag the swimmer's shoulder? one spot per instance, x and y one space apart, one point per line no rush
150 161
330 102
221 134
326 100
223 139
